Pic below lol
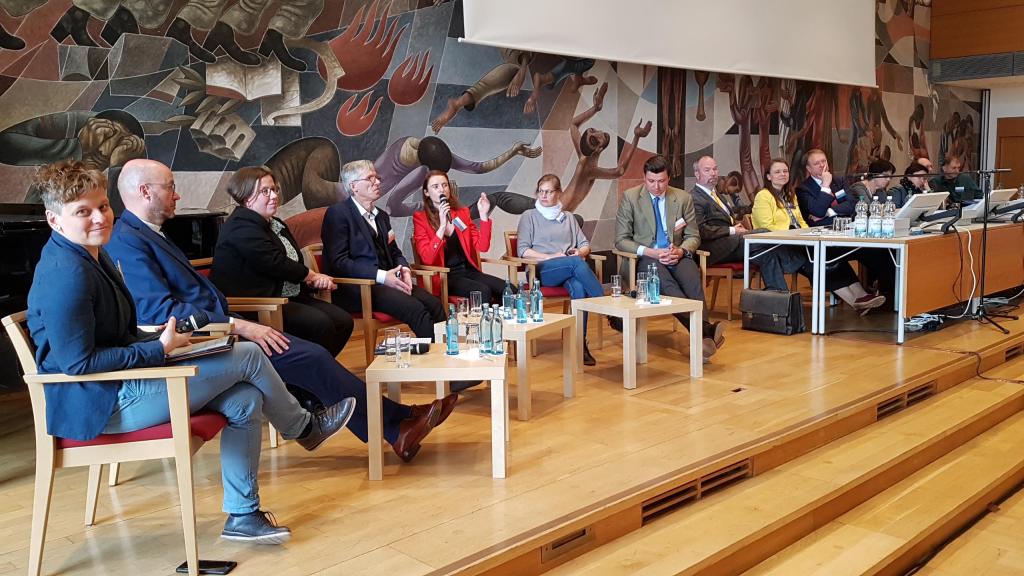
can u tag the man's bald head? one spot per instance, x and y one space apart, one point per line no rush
147 190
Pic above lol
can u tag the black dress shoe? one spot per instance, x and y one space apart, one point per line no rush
122 22
327 423
73 23
460 385
273 43
10 41
223 36
615 322
182 32
588 358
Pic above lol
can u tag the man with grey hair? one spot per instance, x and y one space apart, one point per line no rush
359 243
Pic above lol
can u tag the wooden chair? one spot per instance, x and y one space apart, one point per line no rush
372 320
179 439
268 312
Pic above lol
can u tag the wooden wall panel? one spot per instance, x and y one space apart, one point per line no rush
978 31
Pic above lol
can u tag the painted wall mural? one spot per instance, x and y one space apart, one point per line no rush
304 86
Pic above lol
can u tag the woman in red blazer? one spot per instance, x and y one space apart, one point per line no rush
445 235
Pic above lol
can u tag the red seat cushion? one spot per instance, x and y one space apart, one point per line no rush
734 266
554 292
204 272
205 425
379 317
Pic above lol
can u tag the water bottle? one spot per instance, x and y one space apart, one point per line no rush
486 334
653 285
497 332
451 328
889 218
875 219
860 221
507 300
537 302
520 308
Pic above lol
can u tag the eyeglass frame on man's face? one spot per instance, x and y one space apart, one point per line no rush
371 179
171 186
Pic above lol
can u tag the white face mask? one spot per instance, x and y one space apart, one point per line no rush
549 212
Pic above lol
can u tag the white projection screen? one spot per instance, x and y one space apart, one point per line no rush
819 40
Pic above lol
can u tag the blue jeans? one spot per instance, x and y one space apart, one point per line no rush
573 273
240 384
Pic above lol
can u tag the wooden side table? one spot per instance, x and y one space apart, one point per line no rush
436 365
634 329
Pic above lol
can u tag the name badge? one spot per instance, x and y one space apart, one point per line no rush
391 236
560 218
680 224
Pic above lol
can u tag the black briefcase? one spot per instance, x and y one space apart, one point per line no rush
775 311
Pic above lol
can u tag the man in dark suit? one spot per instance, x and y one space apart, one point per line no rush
658 223
164 284
821 196
359 243
721 231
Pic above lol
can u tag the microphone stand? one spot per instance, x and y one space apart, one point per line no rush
981 313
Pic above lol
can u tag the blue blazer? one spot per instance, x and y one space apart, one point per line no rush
82 320
348 242
159 275
814 203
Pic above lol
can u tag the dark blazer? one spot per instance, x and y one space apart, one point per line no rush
348 242
160 276
250 260
82 320
714 223
814 203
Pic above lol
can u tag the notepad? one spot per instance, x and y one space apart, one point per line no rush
198 349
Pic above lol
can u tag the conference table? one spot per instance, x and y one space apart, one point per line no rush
933 270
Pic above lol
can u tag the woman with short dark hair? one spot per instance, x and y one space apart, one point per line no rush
257 256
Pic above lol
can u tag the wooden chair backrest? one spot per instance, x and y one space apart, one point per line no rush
15 325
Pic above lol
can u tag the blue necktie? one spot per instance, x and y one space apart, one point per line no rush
660 238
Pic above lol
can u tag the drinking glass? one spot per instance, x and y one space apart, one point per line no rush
616 285
462 308
391 344
404 349
641 286
476 306
473 340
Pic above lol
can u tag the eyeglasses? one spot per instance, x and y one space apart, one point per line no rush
269 190
170 186
547 191
370 179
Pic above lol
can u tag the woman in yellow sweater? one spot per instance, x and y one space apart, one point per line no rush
775 208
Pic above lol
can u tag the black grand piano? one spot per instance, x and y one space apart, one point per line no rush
24 231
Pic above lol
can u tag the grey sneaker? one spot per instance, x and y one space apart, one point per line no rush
327 422
258 528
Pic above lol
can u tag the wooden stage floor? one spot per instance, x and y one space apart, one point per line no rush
443 512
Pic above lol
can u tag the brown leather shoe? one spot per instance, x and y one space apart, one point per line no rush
446 406
414 429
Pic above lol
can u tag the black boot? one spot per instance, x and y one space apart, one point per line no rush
182 32
122 22
10 41
223 36
73 23
588 358
273 43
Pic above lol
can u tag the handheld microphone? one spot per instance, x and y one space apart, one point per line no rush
456 221
192 323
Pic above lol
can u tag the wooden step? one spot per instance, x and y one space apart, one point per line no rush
732 531
891 532
992 547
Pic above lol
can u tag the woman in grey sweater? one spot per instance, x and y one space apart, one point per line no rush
555 239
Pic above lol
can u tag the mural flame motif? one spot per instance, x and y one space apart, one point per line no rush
411 79
365 49
353 119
